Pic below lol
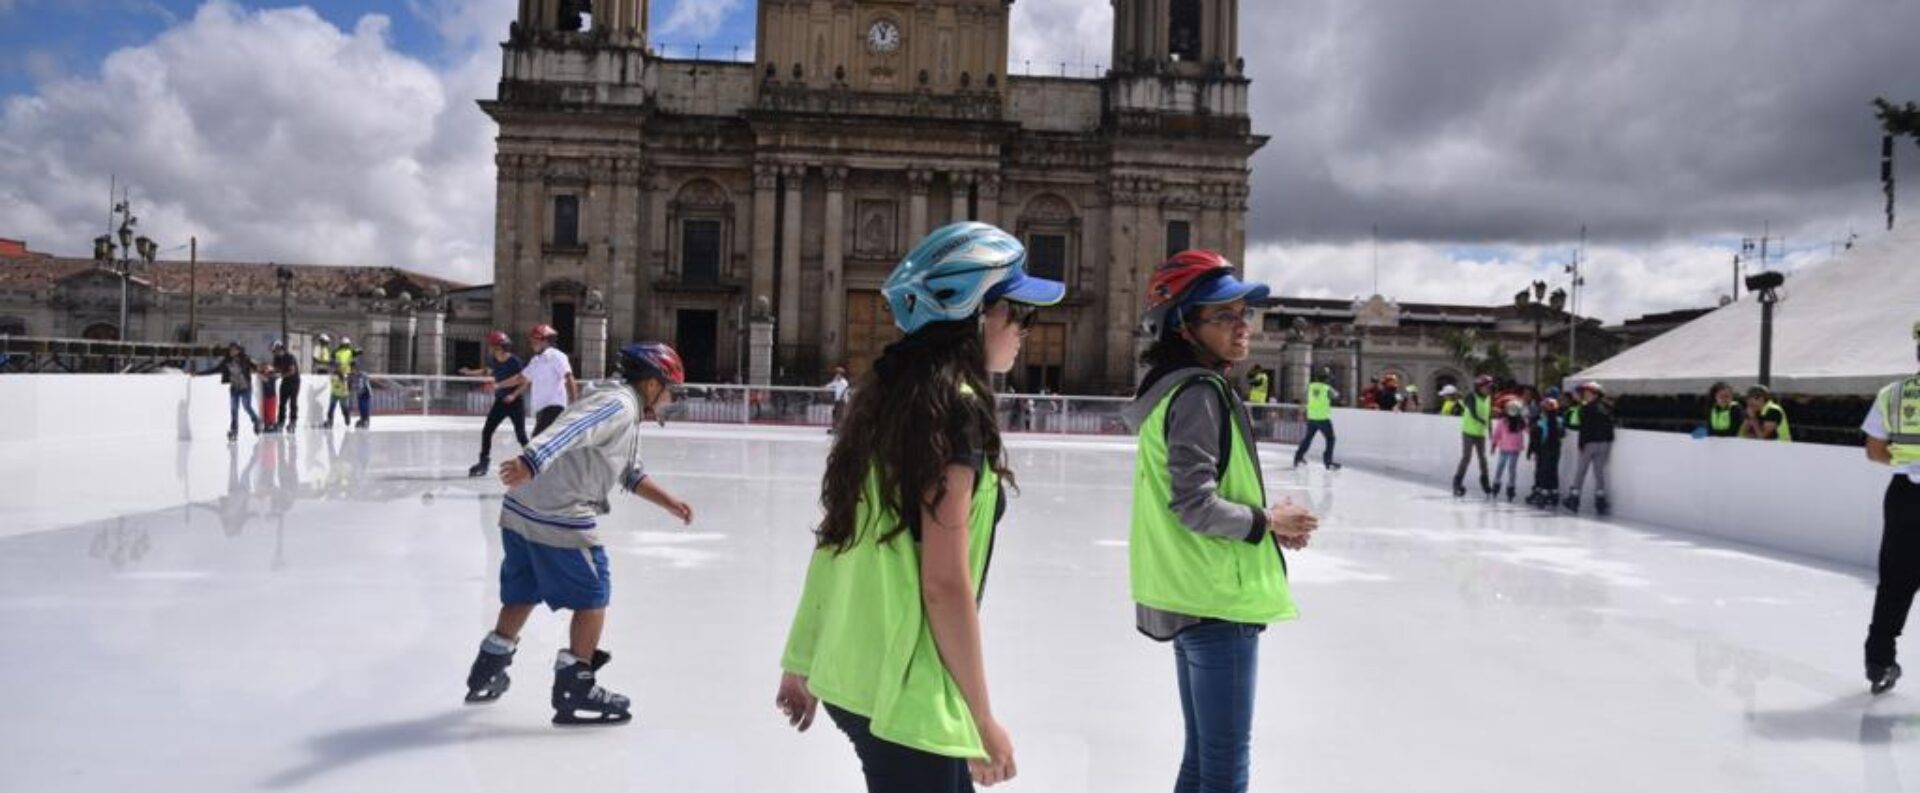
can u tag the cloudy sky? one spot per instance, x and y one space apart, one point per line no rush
1476 136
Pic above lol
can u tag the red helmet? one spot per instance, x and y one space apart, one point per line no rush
652 359
499 338
1483 381
1193 276
544 333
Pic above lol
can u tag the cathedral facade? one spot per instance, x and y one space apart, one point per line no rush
749 212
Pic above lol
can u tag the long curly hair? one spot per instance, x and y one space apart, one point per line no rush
896 427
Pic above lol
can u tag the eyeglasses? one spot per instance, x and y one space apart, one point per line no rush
1244 316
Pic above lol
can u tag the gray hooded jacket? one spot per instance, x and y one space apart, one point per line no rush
591 447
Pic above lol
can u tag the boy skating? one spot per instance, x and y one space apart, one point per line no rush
555 490
509 404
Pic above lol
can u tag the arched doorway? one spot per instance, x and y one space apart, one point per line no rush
101 331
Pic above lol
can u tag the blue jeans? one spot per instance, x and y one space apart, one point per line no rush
1219 663
236 401
1315 427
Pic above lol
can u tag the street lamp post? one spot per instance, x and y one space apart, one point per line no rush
285 277
104 253
1766 285
1533 302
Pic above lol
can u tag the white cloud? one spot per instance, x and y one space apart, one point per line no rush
1046 34
272 135
1621 281
698 20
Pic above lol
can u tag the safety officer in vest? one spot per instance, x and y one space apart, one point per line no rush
1259 386
1449 400
1476 411
1320 397
1208 573
1766 420
887 632
1893 438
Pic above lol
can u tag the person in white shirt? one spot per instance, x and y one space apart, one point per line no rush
550 375
838 386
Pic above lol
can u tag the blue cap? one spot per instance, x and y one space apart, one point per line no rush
1028 290
1225 288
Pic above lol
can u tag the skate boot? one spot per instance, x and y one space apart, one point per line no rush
479 469
488 679
1549 499
1509 494
1333 466
1573 502
256 428
1459 490
1882 678
1600 505
1299 461
575 692
233 435
362 425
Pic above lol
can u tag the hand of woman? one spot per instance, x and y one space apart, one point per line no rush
1288 519
999 766
796 701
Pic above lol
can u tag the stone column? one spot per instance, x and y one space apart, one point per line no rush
760 351
647 322
1236 220
593 342
917 182
1120 305
378 335
766 179
833 297
401 359
1353 372
989 185
789 316
962 190
1297 357
432 346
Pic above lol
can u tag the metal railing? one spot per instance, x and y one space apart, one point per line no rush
37 355
802 406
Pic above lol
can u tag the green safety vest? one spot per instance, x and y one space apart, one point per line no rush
1319 402
1721 418
861 635
1450 407
1473 423
343 358
1258 392
1900 406
1178 570
1573 417
1785 433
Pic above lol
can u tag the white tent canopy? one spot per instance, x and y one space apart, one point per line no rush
1843 327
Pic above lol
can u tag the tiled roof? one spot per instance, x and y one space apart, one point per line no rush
310 281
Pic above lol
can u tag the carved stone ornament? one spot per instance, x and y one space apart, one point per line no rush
1048 208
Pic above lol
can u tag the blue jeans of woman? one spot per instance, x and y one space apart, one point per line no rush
237 400
1218 663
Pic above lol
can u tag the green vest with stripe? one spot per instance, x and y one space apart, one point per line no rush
1900 406
1178 570
1721 419
1258 389
1474 418
861 635
1784 433
1319 402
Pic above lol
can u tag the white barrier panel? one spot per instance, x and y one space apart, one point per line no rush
1820 501
60 407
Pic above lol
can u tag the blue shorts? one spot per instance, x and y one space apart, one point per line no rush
563 578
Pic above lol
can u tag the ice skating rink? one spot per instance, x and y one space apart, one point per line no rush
308 626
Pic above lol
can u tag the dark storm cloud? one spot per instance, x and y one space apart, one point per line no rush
1492 120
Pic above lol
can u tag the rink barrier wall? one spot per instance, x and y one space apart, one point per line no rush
1814 500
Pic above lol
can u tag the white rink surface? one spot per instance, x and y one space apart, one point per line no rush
309 626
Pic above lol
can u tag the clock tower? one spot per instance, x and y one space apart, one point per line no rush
938 47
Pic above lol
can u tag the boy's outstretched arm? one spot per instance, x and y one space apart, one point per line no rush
648 489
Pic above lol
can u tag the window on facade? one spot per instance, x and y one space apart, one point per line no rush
13 326
1043 358
1183 30
566 221
700 251
1047 256
1179 237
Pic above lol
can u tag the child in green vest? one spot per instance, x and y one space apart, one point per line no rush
887 632
1205 550
1476 412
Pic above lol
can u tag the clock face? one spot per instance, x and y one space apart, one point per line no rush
884 36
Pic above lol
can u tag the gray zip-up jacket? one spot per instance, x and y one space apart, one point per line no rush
591 447
1193 426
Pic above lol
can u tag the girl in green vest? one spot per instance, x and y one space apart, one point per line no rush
887 632
1207 569
1725 417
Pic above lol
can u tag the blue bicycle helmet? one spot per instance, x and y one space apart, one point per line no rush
957 270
